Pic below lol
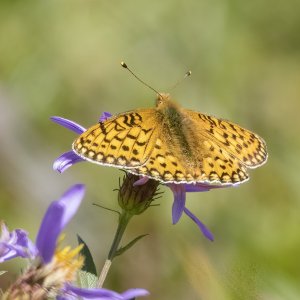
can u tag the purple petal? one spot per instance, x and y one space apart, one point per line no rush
202 227
15 244
49 231
66 160
57 216
89 293
141 181
13 247
69 124
179 201
71 200
65 297
22 245
133 293
105 116
202 187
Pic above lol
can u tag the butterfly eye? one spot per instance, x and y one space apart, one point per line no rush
162 98
159 102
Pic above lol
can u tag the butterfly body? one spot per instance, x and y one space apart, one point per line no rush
173 145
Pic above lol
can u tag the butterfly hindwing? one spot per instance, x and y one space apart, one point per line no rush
215 167
220 166
163 164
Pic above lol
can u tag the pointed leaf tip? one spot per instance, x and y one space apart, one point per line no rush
89 264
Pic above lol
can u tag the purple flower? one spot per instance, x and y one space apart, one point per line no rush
53 268
179 189
15 244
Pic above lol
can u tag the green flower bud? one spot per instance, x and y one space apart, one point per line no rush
136 199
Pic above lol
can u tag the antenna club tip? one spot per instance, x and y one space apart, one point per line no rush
123 65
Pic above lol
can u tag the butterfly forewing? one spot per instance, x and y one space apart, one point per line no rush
125 140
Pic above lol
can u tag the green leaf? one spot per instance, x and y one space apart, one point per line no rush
129 245
89 265
87 280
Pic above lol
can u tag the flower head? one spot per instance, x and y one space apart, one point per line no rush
53 268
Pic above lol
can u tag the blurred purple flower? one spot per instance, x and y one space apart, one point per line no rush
59 213
179 190
15 244
65 266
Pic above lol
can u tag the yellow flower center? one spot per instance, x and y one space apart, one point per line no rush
68 261
44 281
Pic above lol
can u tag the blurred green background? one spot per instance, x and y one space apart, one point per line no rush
62 58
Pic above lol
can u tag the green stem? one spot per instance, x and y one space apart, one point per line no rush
123 222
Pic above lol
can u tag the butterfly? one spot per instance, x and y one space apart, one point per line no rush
172 144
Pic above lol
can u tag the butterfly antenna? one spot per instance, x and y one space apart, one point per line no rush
187 74
139 79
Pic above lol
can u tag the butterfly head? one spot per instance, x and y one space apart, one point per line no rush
162 99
